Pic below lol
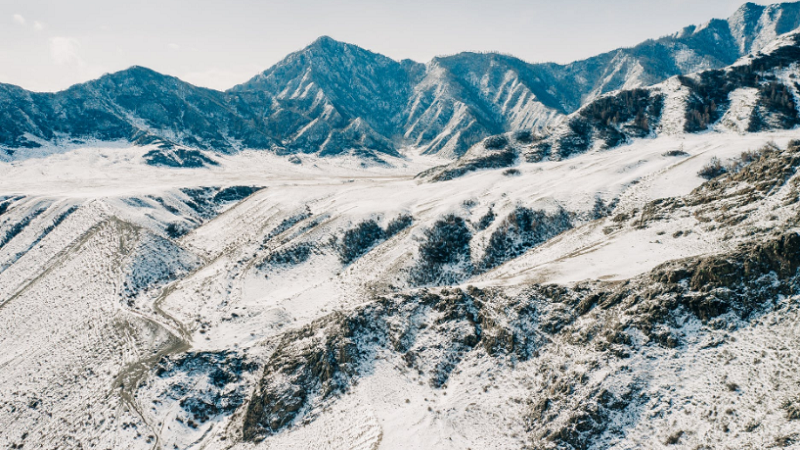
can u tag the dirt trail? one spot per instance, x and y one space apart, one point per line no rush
132 375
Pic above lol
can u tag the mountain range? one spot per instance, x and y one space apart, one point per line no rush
608 256
335 98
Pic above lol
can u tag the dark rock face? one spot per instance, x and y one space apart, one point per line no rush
303 370
323 360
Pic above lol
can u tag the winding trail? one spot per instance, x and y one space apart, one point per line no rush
132 375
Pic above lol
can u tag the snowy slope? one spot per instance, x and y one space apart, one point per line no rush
171 303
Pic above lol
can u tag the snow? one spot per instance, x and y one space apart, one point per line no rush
62 298
737 117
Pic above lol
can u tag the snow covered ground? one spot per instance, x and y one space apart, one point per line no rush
94 290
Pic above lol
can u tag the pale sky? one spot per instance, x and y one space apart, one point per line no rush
48 45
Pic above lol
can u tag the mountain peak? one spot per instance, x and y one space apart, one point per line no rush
325 40
133 73
327 43
750 6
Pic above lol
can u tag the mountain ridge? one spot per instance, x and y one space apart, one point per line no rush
333 98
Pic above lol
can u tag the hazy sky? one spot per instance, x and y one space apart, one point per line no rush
48 45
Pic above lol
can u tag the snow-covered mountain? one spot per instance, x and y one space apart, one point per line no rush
333 98
759 92
619 273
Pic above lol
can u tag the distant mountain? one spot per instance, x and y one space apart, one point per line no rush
130 104
483 94
331 95
759 92
332 98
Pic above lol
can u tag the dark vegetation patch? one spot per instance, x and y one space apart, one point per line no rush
43 234
18 227
539 151
578 138
224 393
792 408
496 160
498 142
776 108
6 202
708 98
287 223
176 230
629 114
201 200
522 230
603 209
675 153
444 254
398 224
56 222
207 202
235 193
178 158
165 205
136 202
359 240
712 169
289 256
526 137
486 220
